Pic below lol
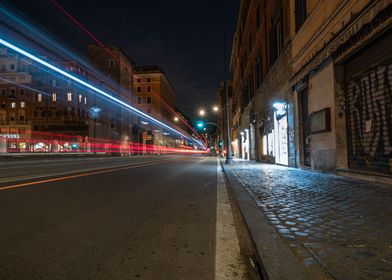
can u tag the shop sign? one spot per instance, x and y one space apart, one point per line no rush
10 136
320 121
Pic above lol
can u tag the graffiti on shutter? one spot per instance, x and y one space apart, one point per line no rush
369 122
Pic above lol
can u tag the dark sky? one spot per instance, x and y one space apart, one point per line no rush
184 37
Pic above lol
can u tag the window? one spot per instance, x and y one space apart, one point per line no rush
12 67
275 41
259 71
138 80
3 68
3 91
112 63
300 13
3 117
148 99
12 92
139 100
22 91
13 104
139 89
12 116
80 98
39 97
2 105
69 96
21 115
85 100
278 36
148 88
148 80
22 104
54 97
54 83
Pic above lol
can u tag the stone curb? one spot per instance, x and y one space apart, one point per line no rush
277 259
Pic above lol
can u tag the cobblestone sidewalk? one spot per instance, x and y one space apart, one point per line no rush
343 224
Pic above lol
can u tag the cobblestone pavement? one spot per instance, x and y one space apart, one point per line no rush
342 224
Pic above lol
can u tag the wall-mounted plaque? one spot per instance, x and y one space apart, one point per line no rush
320 121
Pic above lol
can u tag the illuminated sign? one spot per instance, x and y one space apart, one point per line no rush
12 136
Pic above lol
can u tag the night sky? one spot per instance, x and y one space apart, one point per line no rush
184 37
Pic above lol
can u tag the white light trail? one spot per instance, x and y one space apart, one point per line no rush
97 90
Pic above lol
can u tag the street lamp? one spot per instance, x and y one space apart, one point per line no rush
202 113
215 109
95 111
176 119
229 159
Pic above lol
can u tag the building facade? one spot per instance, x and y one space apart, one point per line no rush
40 112
154 95
115 75
341 85
312 84
260 64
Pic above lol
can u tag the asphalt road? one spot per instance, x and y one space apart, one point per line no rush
132 218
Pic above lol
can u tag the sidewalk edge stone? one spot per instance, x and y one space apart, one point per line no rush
277 259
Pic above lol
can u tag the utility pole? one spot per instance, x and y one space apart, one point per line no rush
228 142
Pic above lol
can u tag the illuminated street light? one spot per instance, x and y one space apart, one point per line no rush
176 119
95 110
202 113
215 108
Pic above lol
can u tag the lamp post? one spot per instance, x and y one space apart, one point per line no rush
95 111
228 144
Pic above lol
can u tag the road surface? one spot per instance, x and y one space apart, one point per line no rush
109 218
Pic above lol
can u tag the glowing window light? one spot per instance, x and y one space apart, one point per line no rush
97 90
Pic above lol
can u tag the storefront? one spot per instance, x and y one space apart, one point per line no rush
368 84
280 133
245 144
13 143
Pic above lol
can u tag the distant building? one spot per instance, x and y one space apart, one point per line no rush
222 118
40 112
113 123
154 95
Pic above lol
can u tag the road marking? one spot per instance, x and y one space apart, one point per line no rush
229 263
30 177
82 175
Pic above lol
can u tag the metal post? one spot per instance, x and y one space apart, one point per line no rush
95 125
95 134
228 143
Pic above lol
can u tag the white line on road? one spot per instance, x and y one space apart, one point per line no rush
228 261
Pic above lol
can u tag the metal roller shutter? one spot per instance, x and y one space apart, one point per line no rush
368 88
